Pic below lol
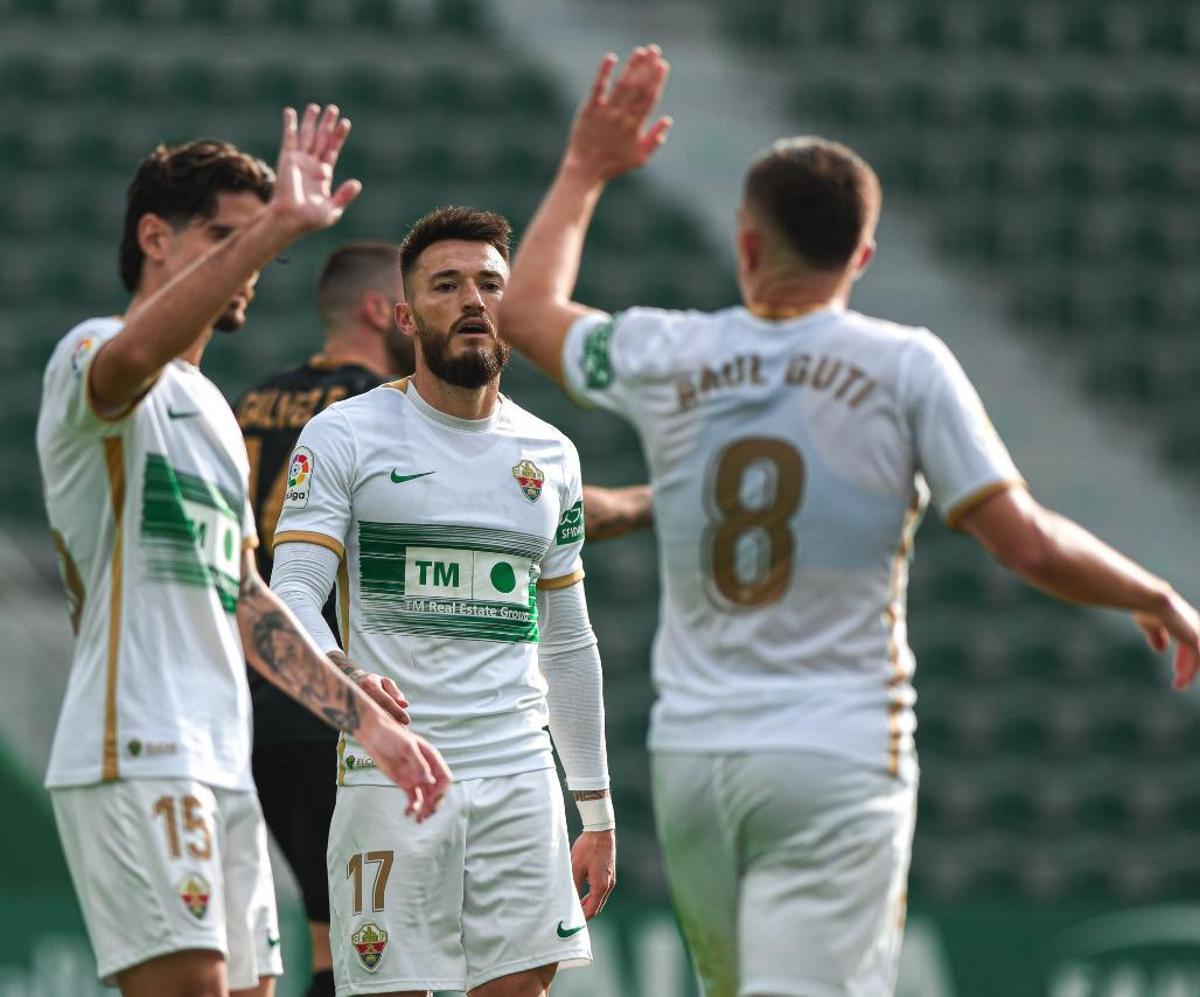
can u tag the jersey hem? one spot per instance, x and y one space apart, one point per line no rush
232 785
382 781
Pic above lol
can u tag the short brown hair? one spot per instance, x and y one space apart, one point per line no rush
351 270
819 195
180 183
441 224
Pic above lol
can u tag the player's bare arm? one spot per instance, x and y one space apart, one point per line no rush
613 512
611 136
380 688
1062 558
277 646
171 320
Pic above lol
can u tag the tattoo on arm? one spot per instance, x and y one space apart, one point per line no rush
588 794
275 641
348 668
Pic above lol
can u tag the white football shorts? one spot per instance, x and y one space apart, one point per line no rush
166 865
480 890
788 870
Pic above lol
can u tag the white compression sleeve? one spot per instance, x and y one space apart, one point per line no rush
570 662
302 577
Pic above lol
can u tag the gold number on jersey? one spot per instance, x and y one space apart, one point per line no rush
195 825
780 469
383 869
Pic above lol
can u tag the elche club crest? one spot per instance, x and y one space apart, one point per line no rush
369 942
194 891
530 479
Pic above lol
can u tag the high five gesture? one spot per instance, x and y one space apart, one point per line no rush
309 152
610 135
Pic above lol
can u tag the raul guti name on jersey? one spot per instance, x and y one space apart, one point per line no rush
848 382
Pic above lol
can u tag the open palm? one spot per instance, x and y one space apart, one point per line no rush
304 185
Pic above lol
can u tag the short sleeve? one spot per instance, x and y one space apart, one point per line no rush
317 492
563 566
249 526
65 383
608 359
958 449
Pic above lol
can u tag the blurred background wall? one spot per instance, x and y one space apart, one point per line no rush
1039 161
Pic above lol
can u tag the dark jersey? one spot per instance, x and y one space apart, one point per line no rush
271 416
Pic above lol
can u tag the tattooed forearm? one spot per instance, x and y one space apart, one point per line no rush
348 667
588 794
275 642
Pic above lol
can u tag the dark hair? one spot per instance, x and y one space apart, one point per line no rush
819 195
468 224
181 182
351 270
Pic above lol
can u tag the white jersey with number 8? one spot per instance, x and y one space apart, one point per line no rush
791 462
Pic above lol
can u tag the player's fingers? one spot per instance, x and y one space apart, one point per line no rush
439 774
646 90
326 124
623 89
288 142
603 75
416 800
1187 660
656 136
336 141
344 196
1156 634
308 127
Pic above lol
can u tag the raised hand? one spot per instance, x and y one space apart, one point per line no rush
611 134
304 198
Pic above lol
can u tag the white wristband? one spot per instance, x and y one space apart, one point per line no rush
597 815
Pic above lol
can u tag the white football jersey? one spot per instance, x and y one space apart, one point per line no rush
149 516
791 463
446 528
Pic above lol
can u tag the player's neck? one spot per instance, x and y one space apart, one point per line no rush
462 403
358 346
784 295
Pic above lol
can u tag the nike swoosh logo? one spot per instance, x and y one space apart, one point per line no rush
272 940
568 932
180 415
399 479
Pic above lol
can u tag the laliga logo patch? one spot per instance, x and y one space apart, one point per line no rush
369 941
80 353
299 479
194 892
529 479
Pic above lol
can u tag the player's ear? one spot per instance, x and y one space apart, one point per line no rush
404 319
376 310
154 235
866 253
749 249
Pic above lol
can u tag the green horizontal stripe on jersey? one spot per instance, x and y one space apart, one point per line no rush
389 608
384 538
163 479
173 544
